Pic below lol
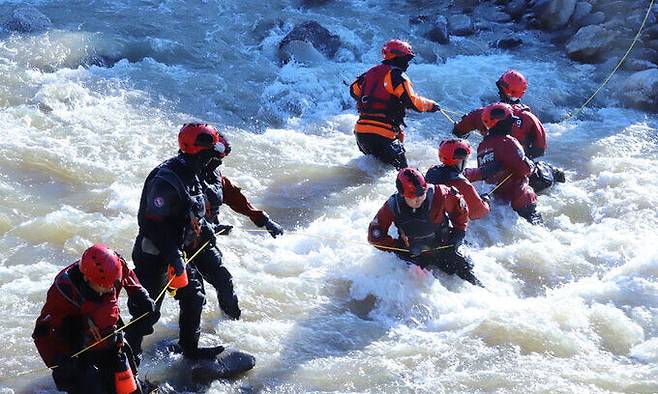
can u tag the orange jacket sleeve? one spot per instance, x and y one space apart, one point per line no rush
477 208
401 87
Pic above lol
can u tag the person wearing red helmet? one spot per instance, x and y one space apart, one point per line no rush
82 308
499 155
453 154
383 94
173 222
431 222
528 129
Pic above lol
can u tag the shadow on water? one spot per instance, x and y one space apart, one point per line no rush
302 195
332 330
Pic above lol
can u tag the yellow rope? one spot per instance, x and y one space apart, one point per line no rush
630 48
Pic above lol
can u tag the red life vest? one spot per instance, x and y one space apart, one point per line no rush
376 100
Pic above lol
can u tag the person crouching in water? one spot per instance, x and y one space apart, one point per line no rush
431 222
501 161
81 309
528 130
453 154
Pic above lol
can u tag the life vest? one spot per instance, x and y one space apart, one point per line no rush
416 224
65 284
191 193
375 102
214 193
442 174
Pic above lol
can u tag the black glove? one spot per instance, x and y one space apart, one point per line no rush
273 228
66 373
223 229
454 238
208 234
177 262
140 303
435 107
417 250
485 197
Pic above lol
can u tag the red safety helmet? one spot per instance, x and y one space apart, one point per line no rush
494 113
101 266
454 151
397 48
410 183
197 137
513 84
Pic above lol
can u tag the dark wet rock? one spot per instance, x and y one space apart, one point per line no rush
314 3
637 65
498 17
582 10
28 20
640 90
557 13
590 43
516 8
461 25
650 32
507 43
439 31
306 39
593 19
645 53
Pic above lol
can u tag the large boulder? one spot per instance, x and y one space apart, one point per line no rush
308 39
589 44
557 13
28 20
581 10
516 8
439 31
640 90
592 19
461 25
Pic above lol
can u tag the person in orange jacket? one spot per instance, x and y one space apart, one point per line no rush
453 154
502 162
383 94
431 222
527 129
82 308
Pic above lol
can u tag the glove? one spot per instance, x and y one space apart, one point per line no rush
401 135
178 263
273 228
207 234
416 250
117 340
435 107
223 229
140 303
454 238
485 197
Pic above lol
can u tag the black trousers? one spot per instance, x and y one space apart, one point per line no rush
385 150
151 272
209 265
94 374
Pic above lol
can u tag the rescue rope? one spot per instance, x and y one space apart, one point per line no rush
347 240
446 115
630 48
500 183
122 328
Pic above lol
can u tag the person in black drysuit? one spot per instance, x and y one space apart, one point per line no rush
172 222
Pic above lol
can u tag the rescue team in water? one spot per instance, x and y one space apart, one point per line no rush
431 213
79 333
